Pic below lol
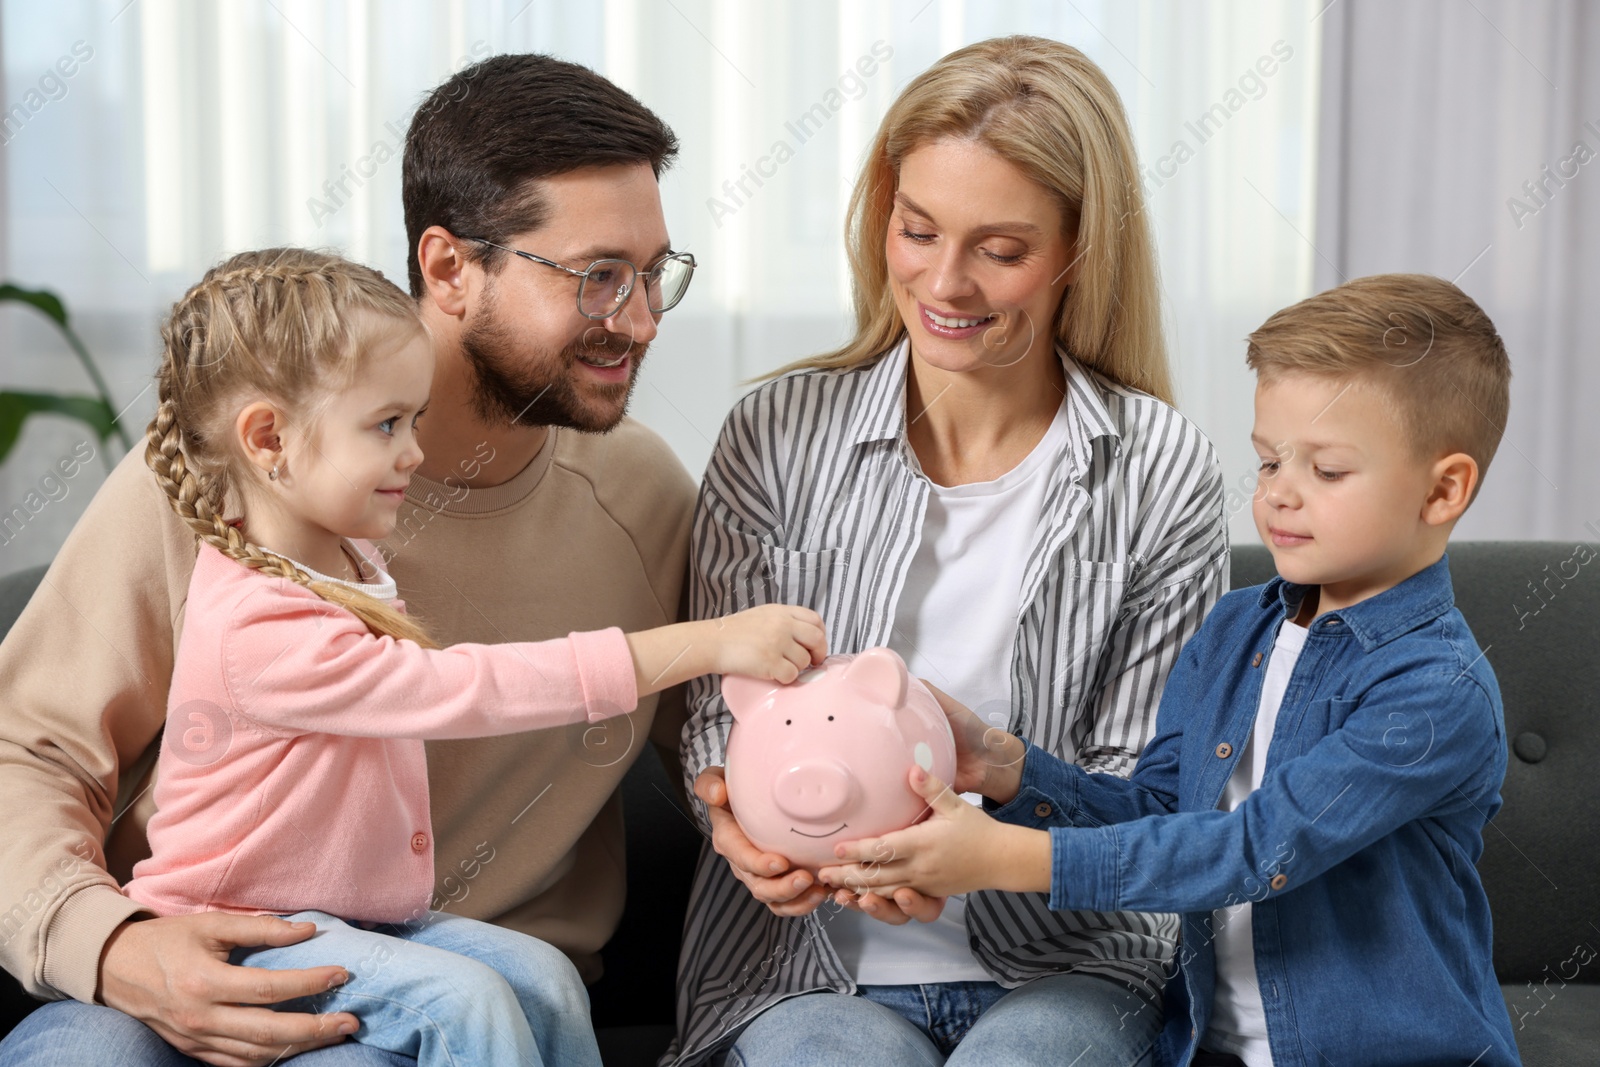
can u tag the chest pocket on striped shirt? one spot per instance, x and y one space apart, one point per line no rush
1109 584
1117 573
802 578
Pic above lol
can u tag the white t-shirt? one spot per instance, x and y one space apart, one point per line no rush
955 625
1238 1020
375 581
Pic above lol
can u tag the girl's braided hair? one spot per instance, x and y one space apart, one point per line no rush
281 323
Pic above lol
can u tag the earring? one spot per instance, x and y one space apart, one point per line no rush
272 475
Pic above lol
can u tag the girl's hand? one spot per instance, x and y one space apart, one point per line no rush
775 641
957 849
988 759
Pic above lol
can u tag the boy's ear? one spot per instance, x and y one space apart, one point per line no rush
1454 478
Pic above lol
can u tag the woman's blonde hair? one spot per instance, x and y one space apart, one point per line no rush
283 324
1045 108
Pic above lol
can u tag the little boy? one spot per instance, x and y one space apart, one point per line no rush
1329 746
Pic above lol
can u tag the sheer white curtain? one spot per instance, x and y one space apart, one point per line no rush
195 129
1473 158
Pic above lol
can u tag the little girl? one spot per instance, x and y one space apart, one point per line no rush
292 775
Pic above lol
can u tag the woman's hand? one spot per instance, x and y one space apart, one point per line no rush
957 849
988 759
897 909
765 874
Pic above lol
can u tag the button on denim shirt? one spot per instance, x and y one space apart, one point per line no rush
1358 850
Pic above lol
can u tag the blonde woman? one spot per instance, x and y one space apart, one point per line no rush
989 478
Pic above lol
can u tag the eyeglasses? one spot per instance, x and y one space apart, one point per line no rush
608 283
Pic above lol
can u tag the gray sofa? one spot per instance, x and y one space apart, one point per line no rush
1534 607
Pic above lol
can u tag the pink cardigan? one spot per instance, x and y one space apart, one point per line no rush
292 774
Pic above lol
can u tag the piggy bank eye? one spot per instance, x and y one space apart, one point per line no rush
788 722
830 718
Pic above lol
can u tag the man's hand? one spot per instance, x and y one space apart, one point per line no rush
173 975
957 849
763 873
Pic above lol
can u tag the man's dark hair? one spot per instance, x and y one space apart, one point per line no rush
480 142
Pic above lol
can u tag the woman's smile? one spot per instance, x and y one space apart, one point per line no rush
952 325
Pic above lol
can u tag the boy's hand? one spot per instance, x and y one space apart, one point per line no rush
775 641
988 759
957 849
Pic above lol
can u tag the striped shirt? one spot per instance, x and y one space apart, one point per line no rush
812 497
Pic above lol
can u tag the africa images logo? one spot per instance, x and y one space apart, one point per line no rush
198 733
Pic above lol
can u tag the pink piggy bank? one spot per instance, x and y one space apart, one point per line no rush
825 758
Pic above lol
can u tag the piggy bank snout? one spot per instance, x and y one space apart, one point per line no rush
813 791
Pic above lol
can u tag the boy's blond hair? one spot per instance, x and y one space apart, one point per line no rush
1423 343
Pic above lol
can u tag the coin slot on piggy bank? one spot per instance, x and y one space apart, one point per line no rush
824 759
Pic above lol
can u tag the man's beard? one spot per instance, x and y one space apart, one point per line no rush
519 384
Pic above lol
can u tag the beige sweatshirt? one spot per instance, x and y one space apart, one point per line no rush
527 828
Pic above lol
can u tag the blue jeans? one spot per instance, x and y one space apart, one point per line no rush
69 1033
447 990
444 990
1068 1019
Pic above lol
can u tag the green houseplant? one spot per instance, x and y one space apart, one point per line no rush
97 412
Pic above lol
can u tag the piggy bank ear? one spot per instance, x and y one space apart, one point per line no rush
881 674
744 695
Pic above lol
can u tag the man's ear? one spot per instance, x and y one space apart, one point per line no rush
1454 478
444 266
257 432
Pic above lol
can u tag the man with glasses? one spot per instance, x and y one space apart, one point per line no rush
606 284
540 258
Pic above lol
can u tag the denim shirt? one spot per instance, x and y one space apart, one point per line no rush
1358 850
